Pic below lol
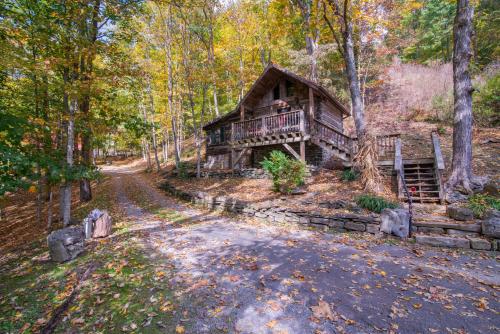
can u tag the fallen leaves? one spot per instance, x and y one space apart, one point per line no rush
323 311
180 329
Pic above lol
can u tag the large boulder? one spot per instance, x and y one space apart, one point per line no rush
395 221
459 213
102 225
491 224
66 244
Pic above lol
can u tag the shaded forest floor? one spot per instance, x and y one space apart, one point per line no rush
169 267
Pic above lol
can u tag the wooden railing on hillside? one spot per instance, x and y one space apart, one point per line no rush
438 164
292 121
385 144
333 136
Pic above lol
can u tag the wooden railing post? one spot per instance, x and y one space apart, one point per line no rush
302 125
438 163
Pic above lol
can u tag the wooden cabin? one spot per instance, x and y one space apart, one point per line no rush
283 111
280 111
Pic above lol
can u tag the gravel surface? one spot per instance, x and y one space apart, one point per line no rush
234 276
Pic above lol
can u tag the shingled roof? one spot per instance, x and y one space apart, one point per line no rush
261 83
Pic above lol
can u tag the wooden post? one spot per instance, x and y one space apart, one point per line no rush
311 110
242 112
303 151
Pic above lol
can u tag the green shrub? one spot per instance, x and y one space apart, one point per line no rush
286 173
349 175
480 204
375 203
487 102
182 170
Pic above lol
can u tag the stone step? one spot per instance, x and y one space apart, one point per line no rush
447 224
454 242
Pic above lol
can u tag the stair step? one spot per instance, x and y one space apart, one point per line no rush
420 179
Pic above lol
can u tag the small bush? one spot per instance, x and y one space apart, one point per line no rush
182 170
487 102
374 203
286 173
480 204
349 175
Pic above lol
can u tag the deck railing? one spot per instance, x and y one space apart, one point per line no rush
332 135
385 144
292 121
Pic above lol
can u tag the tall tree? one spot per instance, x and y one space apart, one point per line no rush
461 173
312 35
342 32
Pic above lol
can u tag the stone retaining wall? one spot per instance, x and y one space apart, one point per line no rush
457 235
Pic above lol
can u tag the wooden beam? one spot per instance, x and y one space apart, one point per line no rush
311 109
438 156
242 153
303 151
292 151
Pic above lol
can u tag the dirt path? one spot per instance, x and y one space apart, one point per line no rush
242 277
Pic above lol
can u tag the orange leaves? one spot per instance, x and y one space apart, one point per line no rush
323 311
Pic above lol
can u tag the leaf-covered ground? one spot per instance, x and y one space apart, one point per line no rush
171 268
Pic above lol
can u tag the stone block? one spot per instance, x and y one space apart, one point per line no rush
433 230
320 221
461 233
304 220
102 226
66 244
336 223
442 241
372 228
480 244
395 221
491 224
355 226
459 213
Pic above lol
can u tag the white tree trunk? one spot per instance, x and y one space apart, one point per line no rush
69 161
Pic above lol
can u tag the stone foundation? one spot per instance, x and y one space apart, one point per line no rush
443 235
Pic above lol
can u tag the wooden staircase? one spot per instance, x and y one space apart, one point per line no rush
421 180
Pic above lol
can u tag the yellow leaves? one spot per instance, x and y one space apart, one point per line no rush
180 329
298 275
354 256
323 310
271 324
481 305
77 322
167 307
32 189
382 273
274 305
159 275
417 306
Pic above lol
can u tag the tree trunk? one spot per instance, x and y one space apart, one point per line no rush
153 130
352 77
85 186
69 161
49 209
461 173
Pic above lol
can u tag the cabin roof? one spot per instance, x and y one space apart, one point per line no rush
262 83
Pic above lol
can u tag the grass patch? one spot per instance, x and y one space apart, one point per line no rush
481 203
349 175
375 203
169 215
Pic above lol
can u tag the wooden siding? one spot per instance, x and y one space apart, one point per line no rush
327 113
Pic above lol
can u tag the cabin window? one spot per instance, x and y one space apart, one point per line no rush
290 89
276 92
222 134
